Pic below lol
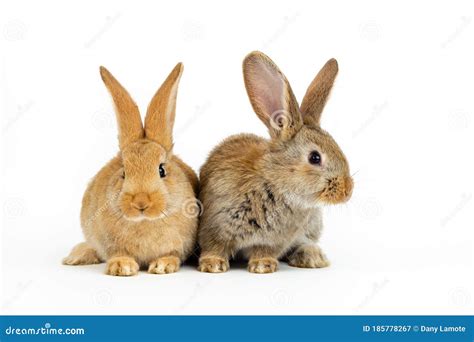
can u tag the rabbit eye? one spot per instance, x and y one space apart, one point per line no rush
162 171
123 174
314 158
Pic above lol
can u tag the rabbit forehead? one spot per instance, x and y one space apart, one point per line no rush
143 155
316 138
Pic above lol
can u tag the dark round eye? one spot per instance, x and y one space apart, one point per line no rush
314 158
123 174
162 171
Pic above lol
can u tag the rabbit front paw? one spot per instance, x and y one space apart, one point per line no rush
263 265
213 265
308 257
165 265
122 266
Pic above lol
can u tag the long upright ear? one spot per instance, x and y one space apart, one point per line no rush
128 116
318 93
271 96
161 111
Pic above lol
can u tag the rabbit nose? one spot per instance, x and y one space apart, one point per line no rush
141 201
349 186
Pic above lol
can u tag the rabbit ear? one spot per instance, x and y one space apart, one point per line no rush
161 111
128 116
271 96
318 93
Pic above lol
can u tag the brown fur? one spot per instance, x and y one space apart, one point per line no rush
318 93
131 216
262 198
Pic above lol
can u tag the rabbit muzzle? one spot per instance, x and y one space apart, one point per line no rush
337 190
142 205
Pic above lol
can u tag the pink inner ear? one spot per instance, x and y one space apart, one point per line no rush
268 87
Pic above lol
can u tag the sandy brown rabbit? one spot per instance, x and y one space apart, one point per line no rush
262 198
140 209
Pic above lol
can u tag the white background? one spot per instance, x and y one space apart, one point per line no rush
402 110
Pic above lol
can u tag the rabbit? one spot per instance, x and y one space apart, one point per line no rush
140 210
262 198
